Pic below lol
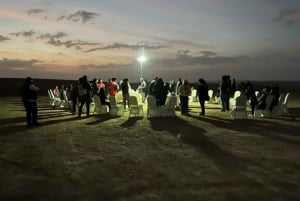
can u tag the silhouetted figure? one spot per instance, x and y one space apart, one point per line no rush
143 89
202 91
29 98
94 86
184 93
276 93
250 94
151 87
261 101
84 91
62 91
103 97
178 84
160 92
74 97
225 87
125 92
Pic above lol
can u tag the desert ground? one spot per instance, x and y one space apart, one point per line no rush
182 158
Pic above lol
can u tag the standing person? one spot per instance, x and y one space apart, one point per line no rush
113 87
62 92
151 86
276 93
184 93
160 92
29 98
84 91
56 92
143 88
178 84
74 97
202 92
250 94
125 92
95 87
225 87
103 97
101 84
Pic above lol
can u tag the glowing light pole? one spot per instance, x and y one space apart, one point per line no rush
142 59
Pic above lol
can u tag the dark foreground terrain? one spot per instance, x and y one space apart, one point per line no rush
182 158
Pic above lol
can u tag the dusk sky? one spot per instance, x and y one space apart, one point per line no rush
60 39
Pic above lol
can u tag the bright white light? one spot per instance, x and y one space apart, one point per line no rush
142 59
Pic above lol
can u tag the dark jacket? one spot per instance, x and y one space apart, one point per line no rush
202 91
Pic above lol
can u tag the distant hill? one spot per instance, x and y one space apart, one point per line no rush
12 86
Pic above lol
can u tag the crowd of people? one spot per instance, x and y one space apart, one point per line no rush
83 93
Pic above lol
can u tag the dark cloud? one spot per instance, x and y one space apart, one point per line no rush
17 63
53 36
184 57
106 66
288 16
77 43
41 36
55 39
3 38
80 15
35 10
127 46
24 33
207 53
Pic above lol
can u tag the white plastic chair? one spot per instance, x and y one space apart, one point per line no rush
152 109
115 109
194 95
119 97
56 102
284 104
232 101
277 109
239 110
68 103
169 109
266 112
99 108
135 108
210 95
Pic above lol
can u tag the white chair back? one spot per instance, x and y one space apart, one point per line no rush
286 98
152 109
99 108
237 93
169 109
112 100
210 94
115 109
135 108
171 102
239 110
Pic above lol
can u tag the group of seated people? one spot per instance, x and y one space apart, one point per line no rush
84 91
257 99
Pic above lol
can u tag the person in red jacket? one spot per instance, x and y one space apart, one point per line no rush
113 87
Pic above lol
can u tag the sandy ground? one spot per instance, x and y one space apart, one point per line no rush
127 159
